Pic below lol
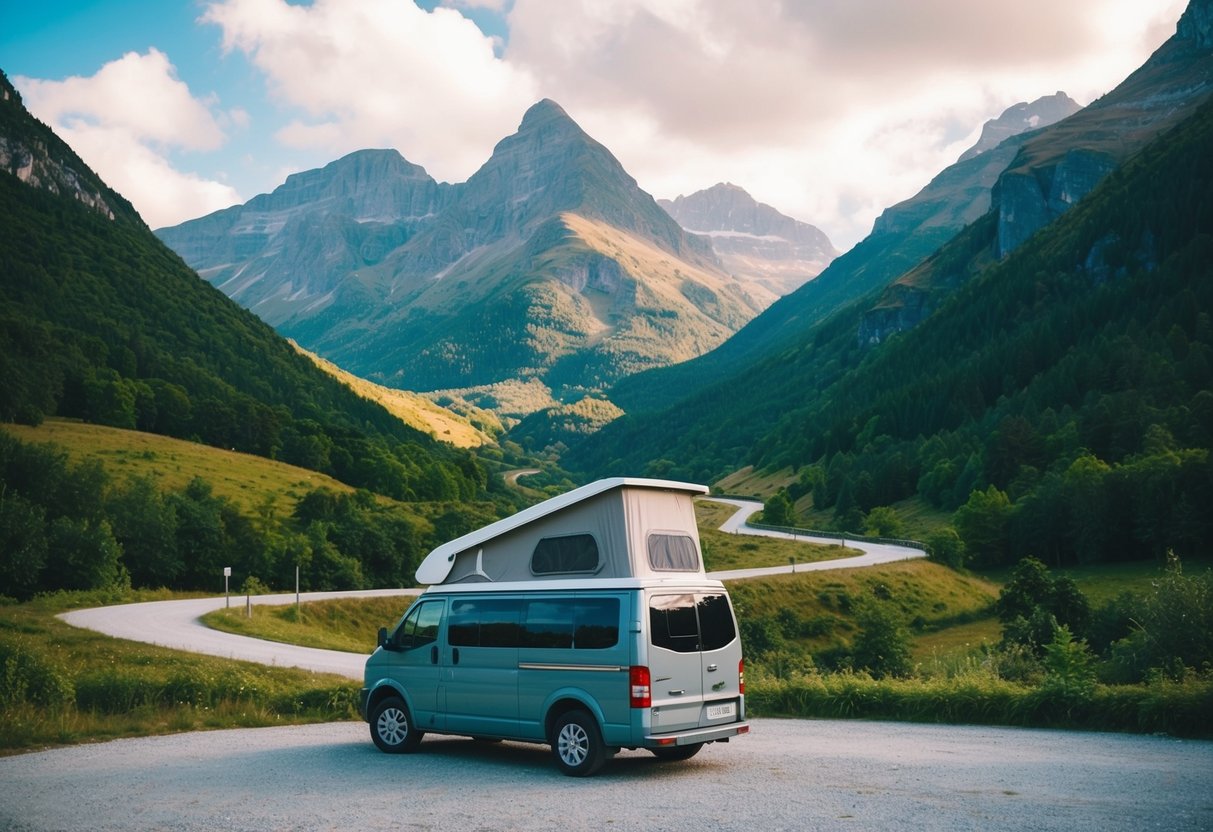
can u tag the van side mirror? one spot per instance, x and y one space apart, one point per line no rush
383 638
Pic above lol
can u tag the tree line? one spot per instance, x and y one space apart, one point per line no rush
66 525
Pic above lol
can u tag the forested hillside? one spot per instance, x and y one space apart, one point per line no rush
1063 397
100 321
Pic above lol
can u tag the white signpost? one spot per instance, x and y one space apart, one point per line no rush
227 598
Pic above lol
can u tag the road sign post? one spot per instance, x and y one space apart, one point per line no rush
227 598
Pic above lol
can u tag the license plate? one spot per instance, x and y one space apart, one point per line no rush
722 711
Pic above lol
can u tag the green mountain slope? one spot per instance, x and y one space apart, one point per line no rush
1080 368
102 322
1030 180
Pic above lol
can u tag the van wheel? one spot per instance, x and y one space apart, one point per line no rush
677 752
577 744
392 728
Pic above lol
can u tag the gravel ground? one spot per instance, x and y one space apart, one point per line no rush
786 775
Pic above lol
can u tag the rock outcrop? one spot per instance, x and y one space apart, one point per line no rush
755 242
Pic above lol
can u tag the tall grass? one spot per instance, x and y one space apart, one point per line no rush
1183 709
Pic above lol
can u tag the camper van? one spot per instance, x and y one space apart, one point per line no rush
585 622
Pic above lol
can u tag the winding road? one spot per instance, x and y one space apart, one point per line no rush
177 624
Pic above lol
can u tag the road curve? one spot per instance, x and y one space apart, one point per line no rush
873 553
177 624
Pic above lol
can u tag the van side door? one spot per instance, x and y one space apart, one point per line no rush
417 666
481 666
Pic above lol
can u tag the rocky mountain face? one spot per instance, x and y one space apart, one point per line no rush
901 237
754 241
39 159
1021 118
1051 169
548 263
1058 167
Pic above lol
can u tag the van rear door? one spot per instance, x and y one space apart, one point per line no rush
693 660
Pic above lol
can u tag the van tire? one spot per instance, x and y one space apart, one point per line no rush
677 752
392 727
577 744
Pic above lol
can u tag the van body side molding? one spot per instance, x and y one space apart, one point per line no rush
599 668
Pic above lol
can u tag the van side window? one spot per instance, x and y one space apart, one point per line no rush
597 623
485 622
420 628
687 623
673 553
567 554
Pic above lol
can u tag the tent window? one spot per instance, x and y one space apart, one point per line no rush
563 555
673 553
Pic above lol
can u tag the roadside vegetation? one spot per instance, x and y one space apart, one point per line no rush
61 685
1041 654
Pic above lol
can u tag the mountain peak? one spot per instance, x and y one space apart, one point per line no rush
1020 118
543 110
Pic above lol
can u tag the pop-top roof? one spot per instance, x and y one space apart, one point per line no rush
437 564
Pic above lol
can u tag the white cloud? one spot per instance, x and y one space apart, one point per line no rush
373 73
124 121
830 110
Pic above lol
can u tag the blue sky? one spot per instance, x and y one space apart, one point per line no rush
828 110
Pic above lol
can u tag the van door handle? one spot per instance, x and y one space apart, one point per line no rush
677 692
455 655
711 668
434 655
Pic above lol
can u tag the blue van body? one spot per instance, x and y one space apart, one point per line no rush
569 656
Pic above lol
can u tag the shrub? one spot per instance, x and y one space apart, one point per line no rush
26 677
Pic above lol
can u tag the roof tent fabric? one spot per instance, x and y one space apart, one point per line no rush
619 514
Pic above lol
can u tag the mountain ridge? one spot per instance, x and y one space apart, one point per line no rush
508 275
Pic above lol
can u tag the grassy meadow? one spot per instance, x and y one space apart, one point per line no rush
254 483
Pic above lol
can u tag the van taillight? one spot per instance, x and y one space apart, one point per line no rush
642 687
741 676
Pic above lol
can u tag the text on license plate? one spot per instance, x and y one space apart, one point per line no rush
721 711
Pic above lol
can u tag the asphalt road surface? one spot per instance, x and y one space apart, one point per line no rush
785 775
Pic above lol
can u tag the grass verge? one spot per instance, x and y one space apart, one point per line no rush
61 685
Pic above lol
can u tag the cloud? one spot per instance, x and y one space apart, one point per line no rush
828 109
124 121
372 73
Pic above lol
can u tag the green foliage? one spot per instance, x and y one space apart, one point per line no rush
1035 603
882 646
61 684
982 524
99 533
1070 667
883 521
777 511
1172 628
945 546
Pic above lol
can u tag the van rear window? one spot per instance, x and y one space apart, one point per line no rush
687 623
